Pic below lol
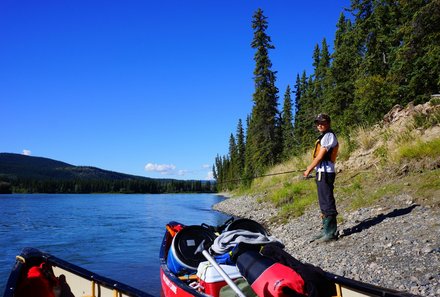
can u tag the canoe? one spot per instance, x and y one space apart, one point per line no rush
39 274
184 271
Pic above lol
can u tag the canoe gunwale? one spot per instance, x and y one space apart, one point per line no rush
346 283
32 254
171 276
365 288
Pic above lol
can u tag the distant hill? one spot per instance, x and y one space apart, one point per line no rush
28 174
21 166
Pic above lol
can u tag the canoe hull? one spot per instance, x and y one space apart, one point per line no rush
81 282
172 285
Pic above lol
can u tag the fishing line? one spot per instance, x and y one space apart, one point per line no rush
259 176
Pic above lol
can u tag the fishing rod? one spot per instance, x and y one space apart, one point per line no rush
259 176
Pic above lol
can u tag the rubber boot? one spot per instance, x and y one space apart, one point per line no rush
321 233
330 227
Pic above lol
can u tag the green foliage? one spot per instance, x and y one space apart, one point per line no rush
372 98
263 130
382 153
293 198
384 53
427 120
289 192
366 139
420 150
287 126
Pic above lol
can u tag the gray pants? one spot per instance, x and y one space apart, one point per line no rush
325 184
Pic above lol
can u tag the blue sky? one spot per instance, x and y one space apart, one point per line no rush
150 88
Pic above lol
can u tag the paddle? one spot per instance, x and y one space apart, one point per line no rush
229 281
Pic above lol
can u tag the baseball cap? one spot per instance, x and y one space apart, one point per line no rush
322 117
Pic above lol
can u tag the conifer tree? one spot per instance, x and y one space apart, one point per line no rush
241 147
416 71
263 138
376 26
302 129
287 125
345 59
248 160
233 158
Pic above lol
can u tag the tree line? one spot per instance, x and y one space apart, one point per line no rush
85 186
384 53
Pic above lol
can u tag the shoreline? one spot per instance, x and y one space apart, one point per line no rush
395 246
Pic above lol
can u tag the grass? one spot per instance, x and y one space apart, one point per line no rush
425 121
346 147
365 138
290 192
293 195
419 150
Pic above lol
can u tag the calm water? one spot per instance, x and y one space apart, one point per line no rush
117 236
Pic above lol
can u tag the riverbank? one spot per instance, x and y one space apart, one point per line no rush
394 244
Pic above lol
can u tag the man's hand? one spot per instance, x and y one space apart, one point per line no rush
307 172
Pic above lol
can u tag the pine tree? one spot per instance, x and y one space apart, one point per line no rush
263 138
305 110
287 125
345 60
241 148
376 28
416 70
233 158
248 161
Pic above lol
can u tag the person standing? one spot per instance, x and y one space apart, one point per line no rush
324 157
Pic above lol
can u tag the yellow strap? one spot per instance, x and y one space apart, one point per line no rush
338 290
316 149
188 277
93 291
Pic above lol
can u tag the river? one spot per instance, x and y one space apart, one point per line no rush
115 235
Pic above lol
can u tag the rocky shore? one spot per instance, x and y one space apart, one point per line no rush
395 244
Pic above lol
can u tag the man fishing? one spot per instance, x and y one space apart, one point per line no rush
324 157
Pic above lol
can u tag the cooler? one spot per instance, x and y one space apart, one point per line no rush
211 280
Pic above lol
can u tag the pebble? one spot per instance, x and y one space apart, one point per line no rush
377 245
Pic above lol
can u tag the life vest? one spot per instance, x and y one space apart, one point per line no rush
331 154
39 282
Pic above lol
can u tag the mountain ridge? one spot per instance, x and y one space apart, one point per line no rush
17 165
29 174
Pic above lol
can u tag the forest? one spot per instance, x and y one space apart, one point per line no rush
384 53
85 186
28 174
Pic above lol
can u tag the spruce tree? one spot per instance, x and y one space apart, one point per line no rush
233 158
287 125
345 60
416 70
241 147
248 161
263 138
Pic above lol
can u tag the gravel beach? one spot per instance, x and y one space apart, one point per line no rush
395 246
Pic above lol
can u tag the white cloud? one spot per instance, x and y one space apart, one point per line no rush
27 152
209 175
160 168
206 166
171 169
182 172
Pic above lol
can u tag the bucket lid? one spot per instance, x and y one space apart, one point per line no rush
186 242
247 224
